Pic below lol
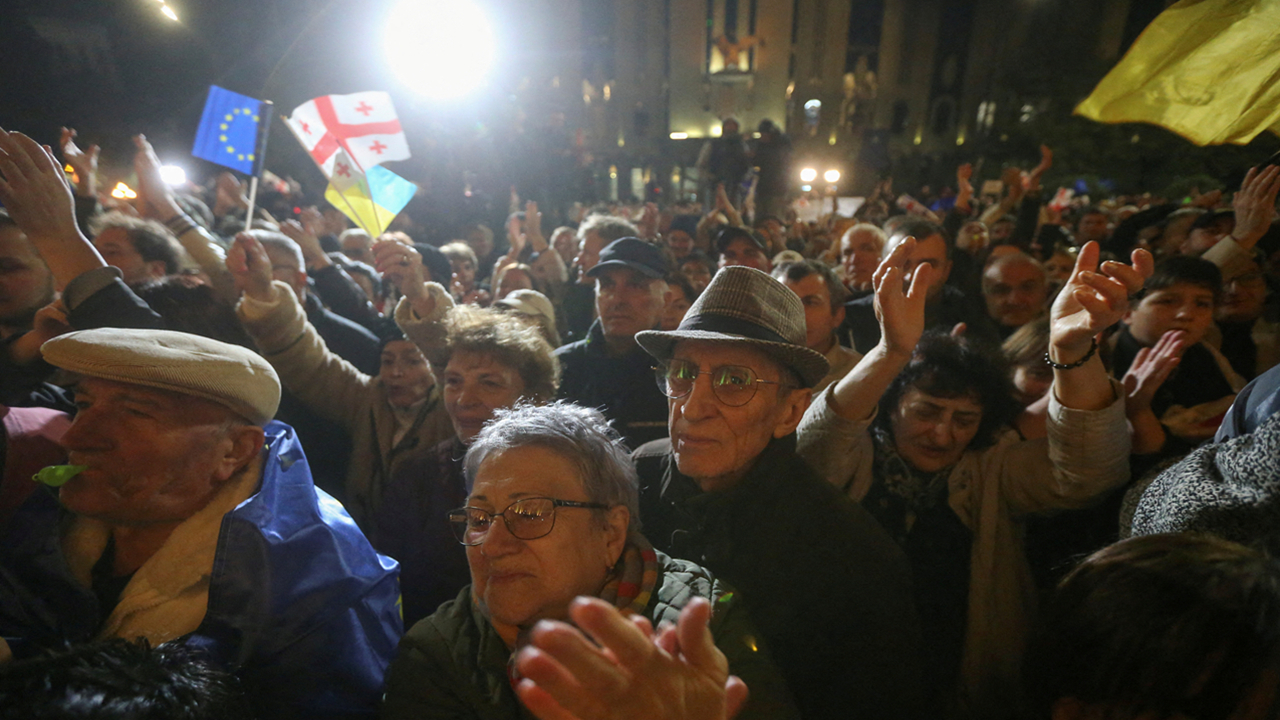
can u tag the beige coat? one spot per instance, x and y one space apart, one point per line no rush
1085 454
334 389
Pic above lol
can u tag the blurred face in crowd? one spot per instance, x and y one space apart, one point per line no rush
358 246
589 250
464 272
931 432
566 244
474 385
513 279
26 285
1031 381
1243 297
697 273
480 242
677 305
860 255
285 268
1181 306
404 374
820 321
117 249
680 243
153 456
929 251
628 302
1000 231
742 251
716 444
1015 291
1203 238
774 231
517 582
1059 266
1091 228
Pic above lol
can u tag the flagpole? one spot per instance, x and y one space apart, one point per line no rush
265 113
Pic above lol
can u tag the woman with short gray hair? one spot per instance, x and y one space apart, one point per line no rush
563 484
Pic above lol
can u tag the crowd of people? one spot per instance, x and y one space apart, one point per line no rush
1002 458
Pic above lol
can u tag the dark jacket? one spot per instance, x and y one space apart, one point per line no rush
454 664
623 388
412 526
349 341
300 606
861 331
827 587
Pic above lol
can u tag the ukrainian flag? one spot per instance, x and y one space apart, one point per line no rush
228 132
374 200
1205 69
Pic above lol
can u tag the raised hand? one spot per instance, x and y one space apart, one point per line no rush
312 253
1255 205
228 195
964 188
402 266
900 311
648 223
250 267
1092 300
679 674
85 164
1150 368
533 227
34 189
1046 162
154 198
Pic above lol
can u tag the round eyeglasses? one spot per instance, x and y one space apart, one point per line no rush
733 385
526 519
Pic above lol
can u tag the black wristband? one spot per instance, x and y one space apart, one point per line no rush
1058 366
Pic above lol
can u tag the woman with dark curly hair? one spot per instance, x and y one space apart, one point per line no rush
918 433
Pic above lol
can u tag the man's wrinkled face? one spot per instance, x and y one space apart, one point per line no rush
1015 292
860 255
820 320
628 302
716 444
742 251
117 249
1091 228
929 251
26 285
1203 238
1244 297
153 456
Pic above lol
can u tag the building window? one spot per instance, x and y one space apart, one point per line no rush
901 112
986 116
941 120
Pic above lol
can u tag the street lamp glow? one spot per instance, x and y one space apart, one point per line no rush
679 136
123 192
441 49
173 176
808 175
169 13
831 176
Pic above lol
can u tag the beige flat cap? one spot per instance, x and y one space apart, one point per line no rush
179 362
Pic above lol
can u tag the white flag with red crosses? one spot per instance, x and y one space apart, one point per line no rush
363 124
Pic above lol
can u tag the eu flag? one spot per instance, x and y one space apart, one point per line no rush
228 132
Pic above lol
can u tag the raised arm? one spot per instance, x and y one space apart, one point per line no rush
1093 299
901 318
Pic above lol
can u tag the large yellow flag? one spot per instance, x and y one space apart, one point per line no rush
1208 70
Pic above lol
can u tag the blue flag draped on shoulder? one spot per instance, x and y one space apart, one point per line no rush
228 132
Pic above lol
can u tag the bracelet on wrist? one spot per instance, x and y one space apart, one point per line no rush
1093 349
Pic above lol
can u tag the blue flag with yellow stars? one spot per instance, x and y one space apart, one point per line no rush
228 132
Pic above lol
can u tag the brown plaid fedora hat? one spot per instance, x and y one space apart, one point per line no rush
745 306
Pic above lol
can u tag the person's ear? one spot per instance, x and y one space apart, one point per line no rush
838 315
944 272
791 410
617 520
242 444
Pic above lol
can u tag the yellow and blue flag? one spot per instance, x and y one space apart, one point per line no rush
373 199
228 132
1205 69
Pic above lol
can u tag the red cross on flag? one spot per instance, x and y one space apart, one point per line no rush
364 124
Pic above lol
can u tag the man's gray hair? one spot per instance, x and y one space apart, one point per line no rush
579 434
608 227
281 242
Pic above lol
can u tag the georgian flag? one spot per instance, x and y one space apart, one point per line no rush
364 124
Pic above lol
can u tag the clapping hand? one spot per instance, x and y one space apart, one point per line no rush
1150 368
85 164
1255 204
154 198
631 672
899 310
1093 299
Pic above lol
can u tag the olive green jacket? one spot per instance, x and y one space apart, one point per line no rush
453 664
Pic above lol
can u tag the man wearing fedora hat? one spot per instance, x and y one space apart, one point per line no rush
607 369
828 589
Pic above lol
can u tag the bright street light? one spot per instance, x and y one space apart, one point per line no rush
123 192
679 136
441 49
808 175
169 13
831 176
173 175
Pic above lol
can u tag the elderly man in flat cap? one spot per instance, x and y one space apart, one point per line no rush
187 514
828 589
